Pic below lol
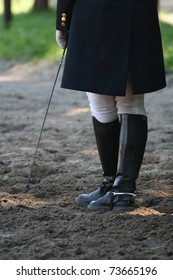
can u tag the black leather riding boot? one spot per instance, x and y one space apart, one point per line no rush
133 137
107 140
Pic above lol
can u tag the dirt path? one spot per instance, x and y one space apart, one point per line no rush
166 5
45 223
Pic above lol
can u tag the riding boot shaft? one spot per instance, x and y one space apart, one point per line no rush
133 138
107 140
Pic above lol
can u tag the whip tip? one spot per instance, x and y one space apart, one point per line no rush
28 186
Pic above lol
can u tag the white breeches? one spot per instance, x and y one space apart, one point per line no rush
107 108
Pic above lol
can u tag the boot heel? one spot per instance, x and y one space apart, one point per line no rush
122 201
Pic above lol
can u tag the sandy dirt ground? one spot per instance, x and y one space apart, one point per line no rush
45 222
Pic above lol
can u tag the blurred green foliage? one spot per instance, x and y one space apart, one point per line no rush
18 6
167 39
31 35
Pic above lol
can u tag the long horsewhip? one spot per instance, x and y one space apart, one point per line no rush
44 120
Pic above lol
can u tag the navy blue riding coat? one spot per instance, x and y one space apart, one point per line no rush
110 40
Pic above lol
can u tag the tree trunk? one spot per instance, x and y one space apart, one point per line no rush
41 5
7 12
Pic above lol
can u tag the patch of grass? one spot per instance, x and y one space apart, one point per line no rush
167 38
31 35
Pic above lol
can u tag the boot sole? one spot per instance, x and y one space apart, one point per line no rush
82 203
115 208
126 209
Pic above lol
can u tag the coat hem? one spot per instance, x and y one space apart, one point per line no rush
120 93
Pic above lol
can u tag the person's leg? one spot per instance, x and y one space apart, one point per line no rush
106 128
132 142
